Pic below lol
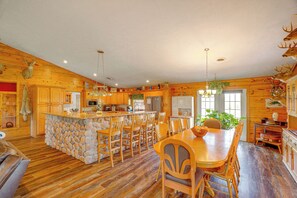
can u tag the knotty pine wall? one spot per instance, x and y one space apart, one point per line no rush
258 89
44 73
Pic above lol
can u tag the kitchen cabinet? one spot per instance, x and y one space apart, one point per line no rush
292 96
290 152
45 100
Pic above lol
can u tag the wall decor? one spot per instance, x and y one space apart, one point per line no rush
271 103
2 68
28 72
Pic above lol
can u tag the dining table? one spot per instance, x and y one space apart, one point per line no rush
211 151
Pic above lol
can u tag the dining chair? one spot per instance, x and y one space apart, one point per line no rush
149 129
212 123
114 138
184 124
179 170
161 131
132 132
227 172
175 126
161 117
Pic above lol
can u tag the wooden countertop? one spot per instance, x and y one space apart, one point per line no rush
95 115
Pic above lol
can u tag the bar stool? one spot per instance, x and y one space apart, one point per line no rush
114 138
149 129
133 133
175 126
161 117
184 124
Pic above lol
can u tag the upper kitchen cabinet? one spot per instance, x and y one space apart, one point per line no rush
292 96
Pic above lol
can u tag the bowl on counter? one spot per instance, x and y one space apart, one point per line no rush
199 131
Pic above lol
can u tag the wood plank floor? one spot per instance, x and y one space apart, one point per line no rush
52 173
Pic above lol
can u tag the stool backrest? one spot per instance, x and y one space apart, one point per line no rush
116 125
175 126
184 124
162 130
150 120
137 121
162 116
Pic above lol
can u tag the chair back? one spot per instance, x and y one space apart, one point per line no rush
116 125
150 120
161 130
161 117
177 158
175 126
137 121
212 123
184 124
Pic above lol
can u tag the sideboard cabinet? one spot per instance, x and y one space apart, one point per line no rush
45 100
290 152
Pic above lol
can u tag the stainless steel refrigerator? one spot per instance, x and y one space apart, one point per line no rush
153 104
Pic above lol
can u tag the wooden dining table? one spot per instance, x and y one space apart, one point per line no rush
211 151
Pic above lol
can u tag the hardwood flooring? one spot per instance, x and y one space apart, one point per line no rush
52 173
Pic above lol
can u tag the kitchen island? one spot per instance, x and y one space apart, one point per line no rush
75 133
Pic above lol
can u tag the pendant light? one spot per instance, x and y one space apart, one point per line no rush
100 90
207 92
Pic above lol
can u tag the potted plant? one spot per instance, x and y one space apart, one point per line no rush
227 120
218 85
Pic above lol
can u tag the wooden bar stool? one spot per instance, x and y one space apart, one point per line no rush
161 117
133 133
114 138
149 129
175 126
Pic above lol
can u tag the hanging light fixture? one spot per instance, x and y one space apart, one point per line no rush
100 90
207 92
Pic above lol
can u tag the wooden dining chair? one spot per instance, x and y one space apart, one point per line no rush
114 138
212 123
238 131
184 124
149 129
175 126
161 117
161 131
133 133
227 171
179 170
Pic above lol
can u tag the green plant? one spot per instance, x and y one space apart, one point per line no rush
227 120
218 85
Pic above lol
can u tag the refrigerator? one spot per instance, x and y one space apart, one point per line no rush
183 107
153 103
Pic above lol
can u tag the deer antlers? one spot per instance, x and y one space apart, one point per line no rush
284 45
287 29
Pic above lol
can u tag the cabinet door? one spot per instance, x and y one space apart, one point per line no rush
285 151
289 155
288 98
56 96
294 160
114 99
41 118
43 95
120 98
293 96
126 98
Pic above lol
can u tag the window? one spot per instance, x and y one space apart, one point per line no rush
207 103
232 104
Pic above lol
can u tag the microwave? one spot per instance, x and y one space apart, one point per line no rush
91 103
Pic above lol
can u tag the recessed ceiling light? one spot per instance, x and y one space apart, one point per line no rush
65 61
147 81
94 74
116 84
221 59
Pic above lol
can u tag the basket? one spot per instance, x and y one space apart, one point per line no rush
199 131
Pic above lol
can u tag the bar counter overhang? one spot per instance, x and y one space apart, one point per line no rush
76 133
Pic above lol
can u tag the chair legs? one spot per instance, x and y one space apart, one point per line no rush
121 147
158 173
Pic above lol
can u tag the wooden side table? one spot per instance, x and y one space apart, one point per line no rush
264 126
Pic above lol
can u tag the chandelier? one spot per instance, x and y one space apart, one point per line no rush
100 90
206 93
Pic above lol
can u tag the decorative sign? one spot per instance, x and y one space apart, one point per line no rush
270 103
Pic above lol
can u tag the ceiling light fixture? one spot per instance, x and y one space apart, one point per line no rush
147 81
65 61
207 92
100 90
116 84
